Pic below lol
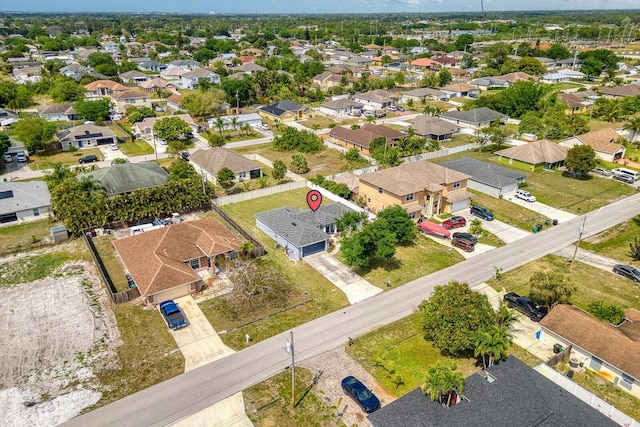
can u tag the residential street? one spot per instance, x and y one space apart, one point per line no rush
196 390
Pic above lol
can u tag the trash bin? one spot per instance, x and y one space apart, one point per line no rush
535 229
547 222
557 348
539 227
555 222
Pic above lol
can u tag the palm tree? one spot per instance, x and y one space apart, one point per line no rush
246 128
411 132
355 126
441 380
220 125
234 123
370 119
492 343
506 316
634 126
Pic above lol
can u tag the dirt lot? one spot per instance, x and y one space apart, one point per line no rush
332 368
55 333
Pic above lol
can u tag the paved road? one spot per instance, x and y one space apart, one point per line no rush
196 390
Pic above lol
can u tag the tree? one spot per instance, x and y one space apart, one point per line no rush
444 77
226 178
279 170
93 110
66 90
170 128
551 288
611 313
558 52
505 316
294 139
452 317
34 131
634 126
442 380
203 104
463 41
591 67
350 221
135 115
5 143
492 344
299 164
15 96
580 159
634 249
399 223
374 240
430 80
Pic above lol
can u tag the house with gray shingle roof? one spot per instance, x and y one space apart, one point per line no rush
127 177
536 155
486 177
211 160
476 118
23 201
301 232
88 135
284 111
435 128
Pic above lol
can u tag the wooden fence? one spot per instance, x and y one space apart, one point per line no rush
258 251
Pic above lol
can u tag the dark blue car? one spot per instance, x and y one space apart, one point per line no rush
360 393
481 212
172 315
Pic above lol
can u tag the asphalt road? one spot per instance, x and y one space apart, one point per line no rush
193 391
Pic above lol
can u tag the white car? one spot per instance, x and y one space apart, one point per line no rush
113 146
21 157
525 195
8 158
264 126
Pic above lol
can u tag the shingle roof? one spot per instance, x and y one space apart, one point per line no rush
603 140
25 196
518 76
431 125
519 396
86 131
459 87
302 227
628 90
570 99
485 173
127 177
409 178
281 107
214 159
56 109
536 152
475 116
157 259
341 103
129 94
599 338
101 84
366 134
425 91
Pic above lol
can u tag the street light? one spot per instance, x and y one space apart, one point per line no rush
237 103
581 231
288 346
155 149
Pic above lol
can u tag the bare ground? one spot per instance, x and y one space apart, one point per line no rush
54 334
332 367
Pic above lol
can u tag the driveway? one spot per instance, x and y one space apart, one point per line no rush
355 287
505 232
541 208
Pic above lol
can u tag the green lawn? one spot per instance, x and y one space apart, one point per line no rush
593 284
111 261
24 237
30 269
614 242
599 124
508 212
138 147
319 122
67 158
457 140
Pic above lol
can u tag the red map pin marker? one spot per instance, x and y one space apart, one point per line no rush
314 199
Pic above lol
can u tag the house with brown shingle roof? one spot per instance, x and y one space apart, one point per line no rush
459 89
103 88
620 91
612 352
361 138
575 105
435 128
518 76
130 98
421 64
537 155
167 263
211 160
421 188
603 142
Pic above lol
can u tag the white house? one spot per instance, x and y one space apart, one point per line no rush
252 119
23 201
191 79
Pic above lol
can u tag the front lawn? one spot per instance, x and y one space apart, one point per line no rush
43 160
137 147
25 236
614 242
508 212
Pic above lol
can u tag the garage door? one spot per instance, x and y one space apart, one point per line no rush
458 206
173 293
313 249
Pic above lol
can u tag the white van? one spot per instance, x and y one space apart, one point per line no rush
626 172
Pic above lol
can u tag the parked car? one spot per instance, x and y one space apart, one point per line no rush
482 212
627 271
464 244
88 159
525 195
8 158
399 108
624 178
525 305
264 126
184 155
601 171
454 222
172 315
360 393
20 157
392 108
467 236
113 146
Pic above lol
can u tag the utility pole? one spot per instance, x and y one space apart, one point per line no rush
581 230
288 346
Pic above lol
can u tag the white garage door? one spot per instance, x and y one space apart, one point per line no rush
458 206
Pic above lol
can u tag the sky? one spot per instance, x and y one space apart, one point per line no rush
307 6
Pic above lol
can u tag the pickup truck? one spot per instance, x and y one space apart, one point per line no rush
172 315
525 305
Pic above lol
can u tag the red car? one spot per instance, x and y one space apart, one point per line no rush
454 222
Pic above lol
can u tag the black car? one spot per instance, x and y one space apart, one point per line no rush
627 271
360 393
88 159
481 212
466 236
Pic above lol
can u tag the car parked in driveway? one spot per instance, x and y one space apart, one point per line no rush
454 222
601 171
526 305
624 178
627 271
464 244
20 157
360 393
482 212
172 315
8 158
88 159
467 236
525 195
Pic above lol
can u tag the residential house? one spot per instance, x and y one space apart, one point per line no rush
342 106
397 67
134 76
7 118
174 102
251 119
251 68
361 139
613 352
75 71
459 74
569 62
191 79
301 232
327 80
103 88
575 105
23 201
603 141
130 98
572 74
431 127
475 118
459 89
154 66
284 111
487 178
122 178
170 262
424 64
507 394
424 93
518 76
445 61
185 64
620 91
486 83
537 155
555 78
27 74
58 112
359 61
173 73
377 99
421 188
144 129
211 160
87 135
110 47
157 84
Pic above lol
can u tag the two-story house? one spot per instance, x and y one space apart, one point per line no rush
191 79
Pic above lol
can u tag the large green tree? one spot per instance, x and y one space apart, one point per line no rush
34 131
399 223
226 178
492 343
94 110
551 288
204 104
66 90
374 240
452 317
580 160
170 128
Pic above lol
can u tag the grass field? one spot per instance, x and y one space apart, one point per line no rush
67 158
508 212
614 242
26 270
111 261
24 237
593 284
139 147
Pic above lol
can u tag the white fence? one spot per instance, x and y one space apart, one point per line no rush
587 397
441 153
329 195
249 195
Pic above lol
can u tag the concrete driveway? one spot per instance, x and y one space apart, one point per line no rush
505 232
355 287
542 209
